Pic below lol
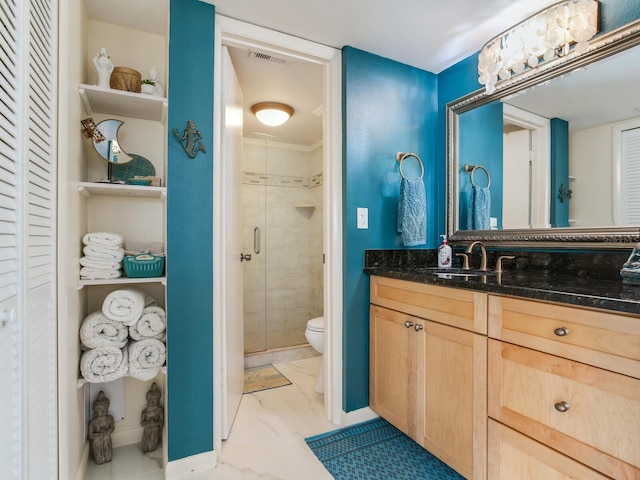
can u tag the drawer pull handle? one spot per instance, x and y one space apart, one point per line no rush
408 324
561 332
562 406
417 327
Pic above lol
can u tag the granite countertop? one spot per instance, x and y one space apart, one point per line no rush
540 285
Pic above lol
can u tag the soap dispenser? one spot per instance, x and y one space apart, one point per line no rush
444 253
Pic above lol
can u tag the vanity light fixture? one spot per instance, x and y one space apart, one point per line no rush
272 113
551 33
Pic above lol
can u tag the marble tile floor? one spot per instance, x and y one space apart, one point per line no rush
266 440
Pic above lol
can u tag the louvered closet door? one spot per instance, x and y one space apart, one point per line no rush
10 381
28 397
630 176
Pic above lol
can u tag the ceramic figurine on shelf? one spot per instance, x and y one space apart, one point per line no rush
153 76
152 419
100 429
104 66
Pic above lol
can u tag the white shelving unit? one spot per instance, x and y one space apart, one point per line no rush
121 103
121 190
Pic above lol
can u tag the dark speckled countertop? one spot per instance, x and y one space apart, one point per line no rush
540 284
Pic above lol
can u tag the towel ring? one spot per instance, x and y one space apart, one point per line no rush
401 157
471 169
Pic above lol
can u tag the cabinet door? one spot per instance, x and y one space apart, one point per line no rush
513 455
392 366
453 387
587 413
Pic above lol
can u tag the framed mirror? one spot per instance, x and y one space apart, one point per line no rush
553 155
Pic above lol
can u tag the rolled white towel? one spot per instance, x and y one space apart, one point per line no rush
99 274
126 305
114 254
105 239
146 358
152 324
104 364
99 331
100 263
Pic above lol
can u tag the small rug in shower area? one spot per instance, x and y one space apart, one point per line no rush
376 450
263 377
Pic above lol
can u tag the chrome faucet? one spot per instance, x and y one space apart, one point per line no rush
483 261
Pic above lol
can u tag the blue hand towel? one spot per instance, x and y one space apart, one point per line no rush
479 212
412 212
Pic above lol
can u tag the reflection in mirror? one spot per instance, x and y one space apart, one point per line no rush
563 154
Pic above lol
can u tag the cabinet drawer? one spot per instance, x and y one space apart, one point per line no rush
604 339
600 426
515 456
452 306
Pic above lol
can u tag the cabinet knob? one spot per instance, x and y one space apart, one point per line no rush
417 327
408 324
561 332
562 406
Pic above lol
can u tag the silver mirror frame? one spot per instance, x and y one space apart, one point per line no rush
605 237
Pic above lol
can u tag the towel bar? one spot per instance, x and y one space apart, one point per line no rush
470 169
401 157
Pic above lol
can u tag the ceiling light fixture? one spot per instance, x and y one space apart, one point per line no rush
272 113
543 36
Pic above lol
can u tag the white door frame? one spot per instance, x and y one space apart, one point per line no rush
541 172
239 34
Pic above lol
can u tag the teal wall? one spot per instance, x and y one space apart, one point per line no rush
189 233
387 107
481 145
559 216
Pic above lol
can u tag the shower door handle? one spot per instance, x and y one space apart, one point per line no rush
256 240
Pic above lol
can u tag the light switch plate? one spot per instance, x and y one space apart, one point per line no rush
363 218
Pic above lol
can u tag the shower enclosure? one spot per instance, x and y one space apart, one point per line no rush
282 203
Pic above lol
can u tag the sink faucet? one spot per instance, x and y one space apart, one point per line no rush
483 261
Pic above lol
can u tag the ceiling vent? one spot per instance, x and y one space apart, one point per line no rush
265 57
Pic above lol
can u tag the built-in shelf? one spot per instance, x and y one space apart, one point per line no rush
121 190
118 102
307 207
122 281
82 382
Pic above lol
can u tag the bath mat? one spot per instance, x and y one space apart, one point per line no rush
263 377
376 450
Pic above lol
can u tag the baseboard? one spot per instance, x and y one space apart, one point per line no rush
127 437
357 416
184 467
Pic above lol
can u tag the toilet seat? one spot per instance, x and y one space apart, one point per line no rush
316 324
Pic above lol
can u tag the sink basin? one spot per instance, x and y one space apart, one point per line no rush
453 272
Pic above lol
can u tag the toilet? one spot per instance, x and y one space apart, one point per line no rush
315 336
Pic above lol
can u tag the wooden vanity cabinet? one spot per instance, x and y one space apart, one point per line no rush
568 378
427 372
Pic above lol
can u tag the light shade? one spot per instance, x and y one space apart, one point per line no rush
272 113
550 33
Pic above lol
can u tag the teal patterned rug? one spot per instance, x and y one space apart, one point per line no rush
376 450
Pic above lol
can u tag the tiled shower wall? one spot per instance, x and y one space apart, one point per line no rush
283 284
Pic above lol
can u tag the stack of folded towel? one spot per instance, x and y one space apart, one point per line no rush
126 336
103 255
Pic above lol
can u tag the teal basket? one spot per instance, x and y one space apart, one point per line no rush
143 266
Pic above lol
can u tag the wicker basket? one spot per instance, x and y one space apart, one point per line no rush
127 79
143 266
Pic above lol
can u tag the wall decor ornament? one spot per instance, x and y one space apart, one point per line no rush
190 139
554 32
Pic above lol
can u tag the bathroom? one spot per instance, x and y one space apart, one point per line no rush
282 206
